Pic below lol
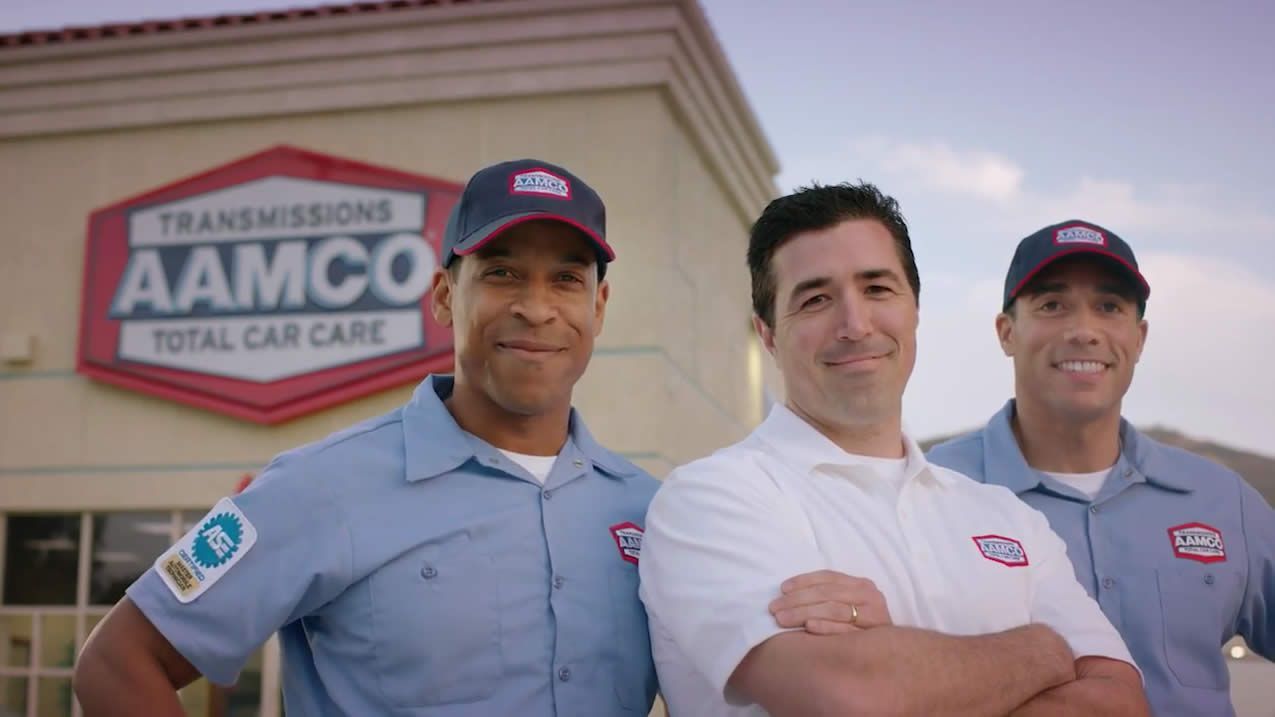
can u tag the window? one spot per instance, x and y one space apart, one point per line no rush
62 572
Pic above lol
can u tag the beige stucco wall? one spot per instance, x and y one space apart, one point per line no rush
669 381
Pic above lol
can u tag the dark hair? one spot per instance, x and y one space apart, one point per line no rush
811 209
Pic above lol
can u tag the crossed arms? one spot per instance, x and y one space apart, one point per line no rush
834 667
715 551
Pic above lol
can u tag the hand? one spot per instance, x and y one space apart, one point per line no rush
826 602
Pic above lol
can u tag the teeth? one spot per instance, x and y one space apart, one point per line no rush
1082 366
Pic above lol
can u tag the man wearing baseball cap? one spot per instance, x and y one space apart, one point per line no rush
1178 551
473 552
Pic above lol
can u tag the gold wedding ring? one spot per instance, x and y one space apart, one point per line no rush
854 614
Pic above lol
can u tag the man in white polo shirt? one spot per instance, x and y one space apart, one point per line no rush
972 606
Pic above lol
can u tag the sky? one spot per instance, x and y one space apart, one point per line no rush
989 120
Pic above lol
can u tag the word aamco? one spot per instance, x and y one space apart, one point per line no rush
265 277
273 278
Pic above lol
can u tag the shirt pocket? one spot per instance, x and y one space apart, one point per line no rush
436 624
635 673
1191 604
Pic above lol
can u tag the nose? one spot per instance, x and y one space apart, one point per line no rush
1083 329
855 318
534 304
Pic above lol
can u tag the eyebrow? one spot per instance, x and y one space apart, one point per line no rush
820 282
815 282
871 274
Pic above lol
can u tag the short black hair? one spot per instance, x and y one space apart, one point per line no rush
819 207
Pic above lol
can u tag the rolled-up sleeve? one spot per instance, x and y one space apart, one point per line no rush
301 559
720 540
1257 613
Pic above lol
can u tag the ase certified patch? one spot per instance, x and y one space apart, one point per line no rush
197 561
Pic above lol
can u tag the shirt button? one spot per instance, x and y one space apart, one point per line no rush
564 674
1108 583
546 494
1093 509
1209 579
428 572
558 581
1128 472
578 463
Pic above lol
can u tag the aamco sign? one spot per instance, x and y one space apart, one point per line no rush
271 287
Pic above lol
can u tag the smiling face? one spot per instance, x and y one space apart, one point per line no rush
525 310
1075 336
844 333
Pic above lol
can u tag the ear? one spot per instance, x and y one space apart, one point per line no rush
767 335
1005 332
600 306
440 297
1142 340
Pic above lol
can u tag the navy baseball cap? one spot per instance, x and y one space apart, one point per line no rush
504 195
1070 238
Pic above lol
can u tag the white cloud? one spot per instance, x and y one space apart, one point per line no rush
977 173
936 171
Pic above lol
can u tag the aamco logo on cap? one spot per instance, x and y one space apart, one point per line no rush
1000 549
628 538
1197 541
267 288
539 181
1079 235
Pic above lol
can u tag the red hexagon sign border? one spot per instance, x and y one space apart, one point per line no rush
237 290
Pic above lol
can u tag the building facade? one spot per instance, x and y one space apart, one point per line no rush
633 95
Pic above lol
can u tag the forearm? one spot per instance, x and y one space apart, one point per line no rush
923 672
119 688
903 671
1112 689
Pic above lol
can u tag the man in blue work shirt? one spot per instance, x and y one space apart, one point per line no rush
473 552
1178 551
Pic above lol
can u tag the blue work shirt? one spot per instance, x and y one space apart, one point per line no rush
1178 551
412 569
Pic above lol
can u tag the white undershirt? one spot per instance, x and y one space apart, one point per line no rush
1087 483
537 466
892 471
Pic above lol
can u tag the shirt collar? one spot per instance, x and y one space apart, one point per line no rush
1148 458
1141 459
805 449
435 444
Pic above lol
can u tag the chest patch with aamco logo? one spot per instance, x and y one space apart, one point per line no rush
628 538
1000 549
1197 541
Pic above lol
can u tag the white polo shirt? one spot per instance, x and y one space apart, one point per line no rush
948 553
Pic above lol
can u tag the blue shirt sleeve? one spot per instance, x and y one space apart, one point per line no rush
1257 613
301 559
